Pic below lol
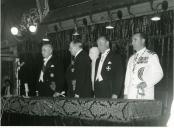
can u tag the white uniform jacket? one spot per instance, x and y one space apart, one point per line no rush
143 66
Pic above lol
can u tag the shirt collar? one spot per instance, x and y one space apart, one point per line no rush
46 59
78 52
106 51
141 51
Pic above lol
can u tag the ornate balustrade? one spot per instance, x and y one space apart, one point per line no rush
109 110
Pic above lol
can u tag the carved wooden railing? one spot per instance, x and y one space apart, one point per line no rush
119 110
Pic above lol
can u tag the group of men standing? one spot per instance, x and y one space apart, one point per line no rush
103 77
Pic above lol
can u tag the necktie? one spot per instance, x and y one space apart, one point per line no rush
102 58
93 73
42 72
99 77
43 68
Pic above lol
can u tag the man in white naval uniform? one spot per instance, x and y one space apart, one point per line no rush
143 71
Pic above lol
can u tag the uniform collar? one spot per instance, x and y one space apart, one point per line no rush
78 52
46 59
106 52
141 51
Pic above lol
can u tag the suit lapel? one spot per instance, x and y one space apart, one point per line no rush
78 56
48 63
105 62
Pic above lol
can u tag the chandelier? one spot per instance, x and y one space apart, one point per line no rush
29 23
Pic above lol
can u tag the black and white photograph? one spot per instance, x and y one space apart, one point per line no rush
87 63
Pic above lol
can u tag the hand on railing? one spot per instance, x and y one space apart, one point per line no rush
76 96
56 94
114 96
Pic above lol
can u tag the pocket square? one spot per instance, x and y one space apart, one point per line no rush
52 66
109 62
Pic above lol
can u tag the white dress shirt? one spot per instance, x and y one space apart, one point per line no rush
102 59
93 73
144 66
78 52
42 73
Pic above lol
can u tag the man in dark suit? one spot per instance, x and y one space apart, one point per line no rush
109 72
70 78
51 79
82 70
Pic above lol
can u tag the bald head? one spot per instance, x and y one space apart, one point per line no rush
74 47
103 44
94 53
47 50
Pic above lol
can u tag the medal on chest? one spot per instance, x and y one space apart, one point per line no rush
108 68
52 75
138 59
72 69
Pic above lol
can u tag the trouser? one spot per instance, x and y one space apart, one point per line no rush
45 90
102 90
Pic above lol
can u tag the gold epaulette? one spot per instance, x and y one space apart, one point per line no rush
151 52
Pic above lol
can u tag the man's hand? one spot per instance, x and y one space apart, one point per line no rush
53 86
77 96
142 85
114 96
56 94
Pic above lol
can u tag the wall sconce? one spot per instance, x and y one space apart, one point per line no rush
14 31
109 26
33 28
75 28
29 22
164 7
45 38
156 17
